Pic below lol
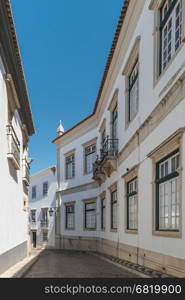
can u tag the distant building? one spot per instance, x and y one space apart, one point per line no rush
16 125
121 171
42 203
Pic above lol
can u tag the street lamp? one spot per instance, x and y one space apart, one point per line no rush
51 211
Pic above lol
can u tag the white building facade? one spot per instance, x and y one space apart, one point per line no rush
42 204
131 204
16 125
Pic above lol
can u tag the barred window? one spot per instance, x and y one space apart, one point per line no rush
171 30
90 157
167 187
33 192
90 215
133 92
103 207
45 236
70 216
114 210
70 167
33 215
132 211
45 188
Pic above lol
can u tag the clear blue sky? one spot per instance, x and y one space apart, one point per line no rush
64 46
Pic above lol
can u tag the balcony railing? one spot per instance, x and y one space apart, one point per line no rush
109 148
13 147
33 225
44 224
26 172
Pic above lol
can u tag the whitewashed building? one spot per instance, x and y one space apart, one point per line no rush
16 125
132 204
42 203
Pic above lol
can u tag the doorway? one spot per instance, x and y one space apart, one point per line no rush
34 239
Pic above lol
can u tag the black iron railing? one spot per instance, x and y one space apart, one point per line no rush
109 148
44 223
13 143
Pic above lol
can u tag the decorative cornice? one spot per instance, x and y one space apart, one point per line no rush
12 62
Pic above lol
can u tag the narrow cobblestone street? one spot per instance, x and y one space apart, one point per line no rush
71 264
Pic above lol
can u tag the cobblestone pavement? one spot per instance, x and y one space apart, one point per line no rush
69 264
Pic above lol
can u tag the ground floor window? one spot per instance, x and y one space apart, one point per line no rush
114 209
70 216
167 193
45 236
132 212
90 215
103 214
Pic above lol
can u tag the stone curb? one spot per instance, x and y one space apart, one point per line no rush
21 273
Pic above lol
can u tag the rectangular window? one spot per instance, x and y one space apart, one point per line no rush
171 30
33 192
103 214
90 157
70 167
90 215
133 82
45 236
115 123
103 137
114 210
44 216
167 192
45 189
70 216
33 215
132 212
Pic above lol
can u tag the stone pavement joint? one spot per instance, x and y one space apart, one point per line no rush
136 267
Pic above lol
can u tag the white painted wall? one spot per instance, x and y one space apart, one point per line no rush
149 97
41 201
13 219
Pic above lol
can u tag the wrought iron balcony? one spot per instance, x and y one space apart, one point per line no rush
44 223
26 172
33 225
107 163
109 148
13 147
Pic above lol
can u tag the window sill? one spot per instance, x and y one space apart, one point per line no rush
131 231
169 234
113 230
156 81
89 229
128 123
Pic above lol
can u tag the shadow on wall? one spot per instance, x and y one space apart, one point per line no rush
12 171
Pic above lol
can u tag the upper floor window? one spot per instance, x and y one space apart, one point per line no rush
168 190
33 215
70 166
45 188
90 157
44 216
115 122
33 195
171 30
103 137
133 86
